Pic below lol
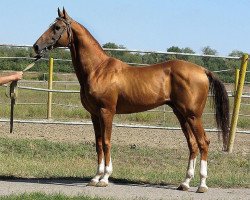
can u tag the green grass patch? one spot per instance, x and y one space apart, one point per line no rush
45 159
42 196
244 122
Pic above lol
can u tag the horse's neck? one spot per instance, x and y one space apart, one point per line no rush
86 52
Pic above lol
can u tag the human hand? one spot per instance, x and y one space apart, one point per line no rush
17 76
13 77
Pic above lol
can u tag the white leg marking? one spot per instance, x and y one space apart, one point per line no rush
107 172
190 172
203 174
99 173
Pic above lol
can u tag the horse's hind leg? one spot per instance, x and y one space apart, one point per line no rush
203 143
99 150
193 149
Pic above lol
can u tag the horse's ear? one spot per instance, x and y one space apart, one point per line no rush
66 16
60 14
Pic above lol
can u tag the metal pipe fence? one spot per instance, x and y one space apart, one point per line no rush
231 94
138 51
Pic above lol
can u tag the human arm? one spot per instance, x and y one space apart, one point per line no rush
12 77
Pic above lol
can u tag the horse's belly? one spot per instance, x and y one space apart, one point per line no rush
126 107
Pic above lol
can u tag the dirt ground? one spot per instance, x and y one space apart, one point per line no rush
121 136
157 138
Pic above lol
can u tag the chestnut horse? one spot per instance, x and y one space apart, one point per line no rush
110 86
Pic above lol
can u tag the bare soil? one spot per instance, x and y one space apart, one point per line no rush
156 138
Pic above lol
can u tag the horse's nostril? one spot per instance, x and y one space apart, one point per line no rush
36 47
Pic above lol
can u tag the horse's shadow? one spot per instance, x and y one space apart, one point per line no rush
80 182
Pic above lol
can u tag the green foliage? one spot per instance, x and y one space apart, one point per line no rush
236 53
208 51
212 64
116 54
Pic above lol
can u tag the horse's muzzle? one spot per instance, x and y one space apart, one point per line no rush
41 49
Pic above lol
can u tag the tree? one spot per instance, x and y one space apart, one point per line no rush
179 50
236 53
187 50
115 54
174 49
208 51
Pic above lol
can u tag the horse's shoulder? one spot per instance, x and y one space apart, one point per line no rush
112 65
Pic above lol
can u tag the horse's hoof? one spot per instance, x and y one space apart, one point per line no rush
202 189
92 183
183 187
101 184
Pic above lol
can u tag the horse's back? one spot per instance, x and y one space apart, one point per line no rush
143 88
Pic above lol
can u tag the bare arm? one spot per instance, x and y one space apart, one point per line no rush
12 77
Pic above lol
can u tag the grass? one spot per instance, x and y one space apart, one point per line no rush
42 196
244 122
45 159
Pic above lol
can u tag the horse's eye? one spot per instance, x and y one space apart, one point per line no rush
57 28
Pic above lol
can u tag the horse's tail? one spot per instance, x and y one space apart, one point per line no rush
221 105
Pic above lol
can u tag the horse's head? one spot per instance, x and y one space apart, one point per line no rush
59 34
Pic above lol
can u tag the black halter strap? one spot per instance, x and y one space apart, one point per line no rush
67 28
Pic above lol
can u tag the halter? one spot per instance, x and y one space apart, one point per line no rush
57 36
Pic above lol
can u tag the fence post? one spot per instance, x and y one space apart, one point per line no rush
237 72
237 101
50 81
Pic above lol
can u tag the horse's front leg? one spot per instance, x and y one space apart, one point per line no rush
106 119
99 151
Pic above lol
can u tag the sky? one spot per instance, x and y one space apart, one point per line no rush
155 25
